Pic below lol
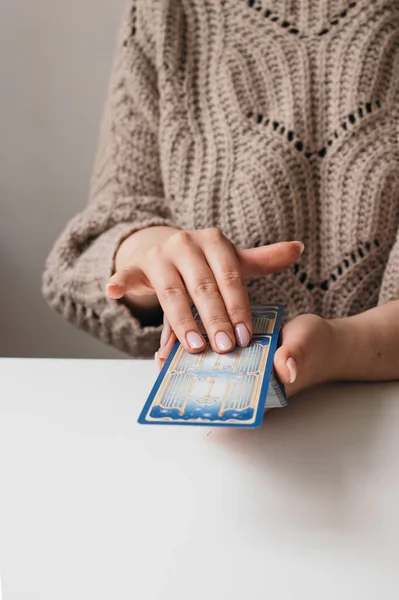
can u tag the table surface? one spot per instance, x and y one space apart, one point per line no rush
93 505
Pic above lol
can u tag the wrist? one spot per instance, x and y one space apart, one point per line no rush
345 343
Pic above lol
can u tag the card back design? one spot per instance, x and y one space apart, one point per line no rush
217 389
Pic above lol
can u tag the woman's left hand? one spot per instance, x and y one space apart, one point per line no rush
308 353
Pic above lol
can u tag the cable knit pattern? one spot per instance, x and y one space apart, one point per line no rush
273 121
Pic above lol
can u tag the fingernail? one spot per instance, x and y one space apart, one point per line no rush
301 248
166 331
242 335
157 362
115 290
223 342
114 286
113 280
194 340
291 366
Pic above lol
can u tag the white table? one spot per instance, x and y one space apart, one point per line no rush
94 506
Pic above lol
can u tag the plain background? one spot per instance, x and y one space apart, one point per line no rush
55 61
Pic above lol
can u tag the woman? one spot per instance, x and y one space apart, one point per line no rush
230 127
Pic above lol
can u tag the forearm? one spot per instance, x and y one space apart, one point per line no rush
367 344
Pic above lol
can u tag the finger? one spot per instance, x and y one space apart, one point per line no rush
299 359
126 280
257 262
168 339
288 355
205 293
305 357
286 366
166 331
115 291
168 285
158 362
222 259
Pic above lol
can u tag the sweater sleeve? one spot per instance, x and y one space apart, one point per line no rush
390 282
126 195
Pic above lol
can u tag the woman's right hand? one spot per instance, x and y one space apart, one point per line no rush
165 265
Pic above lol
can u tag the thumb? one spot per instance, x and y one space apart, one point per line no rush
123 281
285 365
256 262
296 342
303 358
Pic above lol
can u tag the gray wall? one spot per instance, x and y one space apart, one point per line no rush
55 59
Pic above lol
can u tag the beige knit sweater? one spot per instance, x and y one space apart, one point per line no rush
273 120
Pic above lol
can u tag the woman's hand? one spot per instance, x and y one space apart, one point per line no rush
308 354
165 265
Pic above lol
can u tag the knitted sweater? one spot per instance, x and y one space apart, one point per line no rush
270 120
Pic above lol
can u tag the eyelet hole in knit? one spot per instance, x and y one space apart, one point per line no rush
273 17
351 121
133 20
303 277
353 257
288 27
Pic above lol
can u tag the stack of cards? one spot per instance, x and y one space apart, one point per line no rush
220 390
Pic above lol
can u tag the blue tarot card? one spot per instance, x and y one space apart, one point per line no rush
220 390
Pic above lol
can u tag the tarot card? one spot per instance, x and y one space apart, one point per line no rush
220 390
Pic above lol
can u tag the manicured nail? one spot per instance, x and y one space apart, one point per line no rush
242 335
113 280
301 248
115 290
166 331
194 340
223 342
157 362
291 366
